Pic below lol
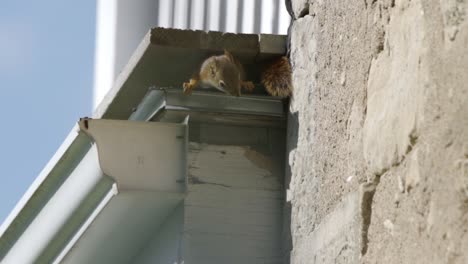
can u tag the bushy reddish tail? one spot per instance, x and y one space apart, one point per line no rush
277 78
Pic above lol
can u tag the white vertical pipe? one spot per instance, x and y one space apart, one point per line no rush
165 13
104 58
232 14
134 19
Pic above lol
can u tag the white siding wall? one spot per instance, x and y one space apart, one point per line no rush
233 208
121 25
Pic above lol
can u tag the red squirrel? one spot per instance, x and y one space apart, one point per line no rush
225 73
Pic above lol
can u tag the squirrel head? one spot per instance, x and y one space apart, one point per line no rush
221 73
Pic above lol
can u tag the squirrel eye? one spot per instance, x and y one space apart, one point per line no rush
222 84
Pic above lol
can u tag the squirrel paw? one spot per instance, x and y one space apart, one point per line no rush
248 86
188 87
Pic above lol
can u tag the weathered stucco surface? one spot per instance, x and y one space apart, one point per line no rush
378 131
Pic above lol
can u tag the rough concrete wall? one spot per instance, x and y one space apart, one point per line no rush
378 134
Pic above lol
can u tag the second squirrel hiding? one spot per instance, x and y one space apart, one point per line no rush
226 74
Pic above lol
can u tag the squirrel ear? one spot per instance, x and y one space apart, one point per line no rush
229 55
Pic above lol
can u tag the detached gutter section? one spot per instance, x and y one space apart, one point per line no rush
146 160
141 158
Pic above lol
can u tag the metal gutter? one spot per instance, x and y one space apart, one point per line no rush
55 213
113 191
70 160
144 159
65 160
221 103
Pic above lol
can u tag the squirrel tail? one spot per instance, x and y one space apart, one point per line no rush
276 78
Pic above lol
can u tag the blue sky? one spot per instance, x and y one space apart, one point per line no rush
46 76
